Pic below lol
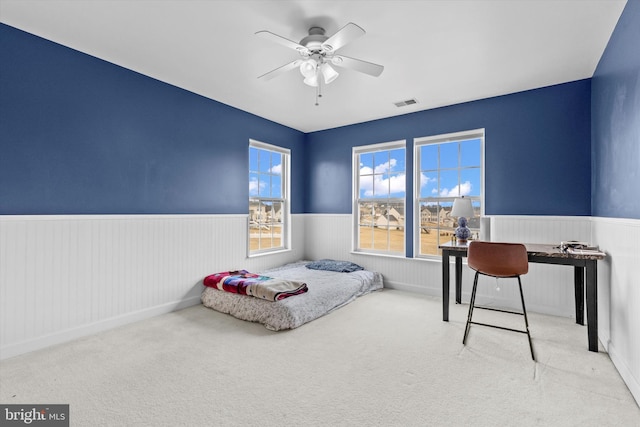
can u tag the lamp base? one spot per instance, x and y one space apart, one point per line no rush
462 234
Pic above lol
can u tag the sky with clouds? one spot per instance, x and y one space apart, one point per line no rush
383 174
265 173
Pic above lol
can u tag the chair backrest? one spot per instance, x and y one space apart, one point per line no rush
498 259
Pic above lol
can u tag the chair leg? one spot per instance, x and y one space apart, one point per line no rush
471 305
526 321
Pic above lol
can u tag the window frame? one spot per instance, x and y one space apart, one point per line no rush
285 238
356 200
417 199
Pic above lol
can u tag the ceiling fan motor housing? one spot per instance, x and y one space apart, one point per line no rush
314 40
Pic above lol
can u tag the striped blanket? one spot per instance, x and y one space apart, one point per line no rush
244 283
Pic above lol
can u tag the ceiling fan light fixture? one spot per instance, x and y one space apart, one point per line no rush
311 81
308 68
328 73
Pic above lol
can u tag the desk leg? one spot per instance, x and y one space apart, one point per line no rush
445 286
592 304
578 281
459 280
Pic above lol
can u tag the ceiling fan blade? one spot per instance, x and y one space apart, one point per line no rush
346 34
283 41
280 70
358 65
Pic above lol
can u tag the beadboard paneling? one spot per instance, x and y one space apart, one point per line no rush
65 276
540 229
619 295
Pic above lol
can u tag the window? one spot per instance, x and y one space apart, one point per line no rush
447 166
268 198
379 198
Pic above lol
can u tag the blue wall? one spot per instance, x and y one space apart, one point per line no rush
616 121
79 135
537 151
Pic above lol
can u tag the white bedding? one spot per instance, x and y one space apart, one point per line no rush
328 290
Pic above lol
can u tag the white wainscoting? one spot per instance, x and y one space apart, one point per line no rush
619 295
62 277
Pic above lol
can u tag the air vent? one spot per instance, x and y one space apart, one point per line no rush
406 102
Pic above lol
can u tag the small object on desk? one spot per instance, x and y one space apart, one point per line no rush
574 244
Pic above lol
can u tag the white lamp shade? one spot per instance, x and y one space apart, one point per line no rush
328 73
462 207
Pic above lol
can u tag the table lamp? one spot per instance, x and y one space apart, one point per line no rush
462 209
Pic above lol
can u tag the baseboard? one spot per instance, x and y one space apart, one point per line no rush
605 339
411 287
61 337
632 383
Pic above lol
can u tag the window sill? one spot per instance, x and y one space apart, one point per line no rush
378 254
274 252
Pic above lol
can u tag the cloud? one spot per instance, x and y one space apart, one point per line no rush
254 186
463 189
424 180
277 169
386 166
393 183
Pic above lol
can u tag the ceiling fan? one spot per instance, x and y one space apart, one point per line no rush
318 54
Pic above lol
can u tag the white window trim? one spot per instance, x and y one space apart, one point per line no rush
286 190
437 139
356 151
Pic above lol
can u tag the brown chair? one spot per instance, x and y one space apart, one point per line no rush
499 260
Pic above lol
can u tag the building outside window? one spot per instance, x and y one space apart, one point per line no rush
446 167
269 207
379 177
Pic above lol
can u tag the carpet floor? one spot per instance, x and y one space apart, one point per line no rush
386 359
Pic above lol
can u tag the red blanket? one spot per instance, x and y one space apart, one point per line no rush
244 283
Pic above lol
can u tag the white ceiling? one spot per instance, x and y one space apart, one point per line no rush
440 52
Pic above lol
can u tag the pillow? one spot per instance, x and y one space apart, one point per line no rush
333 265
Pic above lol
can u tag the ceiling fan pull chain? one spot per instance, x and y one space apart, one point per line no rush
319 87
